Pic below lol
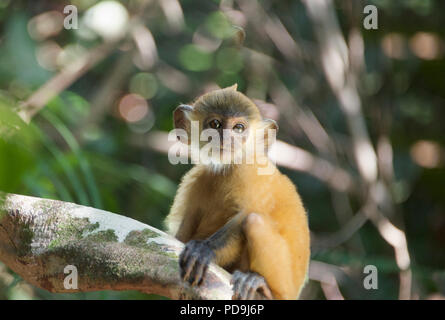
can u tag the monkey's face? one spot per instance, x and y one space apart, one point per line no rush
223 138
230 133
223 127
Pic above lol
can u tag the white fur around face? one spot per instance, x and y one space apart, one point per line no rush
218 167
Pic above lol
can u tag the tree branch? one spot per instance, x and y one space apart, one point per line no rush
40 237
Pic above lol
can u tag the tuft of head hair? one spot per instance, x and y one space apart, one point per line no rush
227 102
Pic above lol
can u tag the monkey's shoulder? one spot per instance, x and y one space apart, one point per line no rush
198 180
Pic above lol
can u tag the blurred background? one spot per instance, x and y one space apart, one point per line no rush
84 116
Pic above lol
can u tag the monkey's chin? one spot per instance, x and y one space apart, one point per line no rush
219 168
217 165
218 162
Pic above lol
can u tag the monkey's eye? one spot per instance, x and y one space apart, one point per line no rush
239 128
215 124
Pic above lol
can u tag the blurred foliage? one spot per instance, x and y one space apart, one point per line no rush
80 146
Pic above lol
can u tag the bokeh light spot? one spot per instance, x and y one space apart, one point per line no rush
219 26
426 154
45 25
133 107
229 60
425 45
194 58
144 84
108 19
394 45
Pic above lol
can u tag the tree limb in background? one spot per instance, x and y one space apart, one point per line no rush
328 276
75 70
335 239
63 80
40 237
342 80
336 66
108 91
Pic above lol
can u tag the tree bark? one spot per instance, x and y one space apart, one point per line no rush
40 237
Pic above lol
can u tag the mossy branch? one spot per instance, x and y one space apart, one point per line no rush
40 237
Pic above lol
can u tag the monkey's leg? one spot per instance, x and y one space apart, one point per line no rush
269 256
222 247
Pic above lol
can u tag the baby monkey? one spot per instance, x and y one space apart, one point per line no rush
252 224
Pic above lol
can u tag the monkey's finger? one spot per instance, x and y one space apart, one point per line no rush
236 276
188 268
192 276
198 272
194 273
184 256
183 272
238 280
182 268
266 291
232 279
247 283
203 273
188 249
236 289
187 271
252 286
182 264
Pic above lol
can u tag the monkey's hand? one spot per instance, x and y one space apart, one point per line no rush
194 261
246 285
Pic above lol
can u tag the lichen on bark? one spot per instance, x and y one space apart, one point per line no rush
39 238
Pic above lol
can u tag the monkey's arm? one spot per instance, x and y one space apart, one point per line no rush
184 215
223 247
226 243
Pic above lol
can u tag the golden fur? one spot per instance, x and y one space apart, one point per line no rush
275 241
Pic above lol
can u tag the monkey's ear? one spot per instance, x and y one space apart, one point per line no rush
181 116
181 120
269 124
